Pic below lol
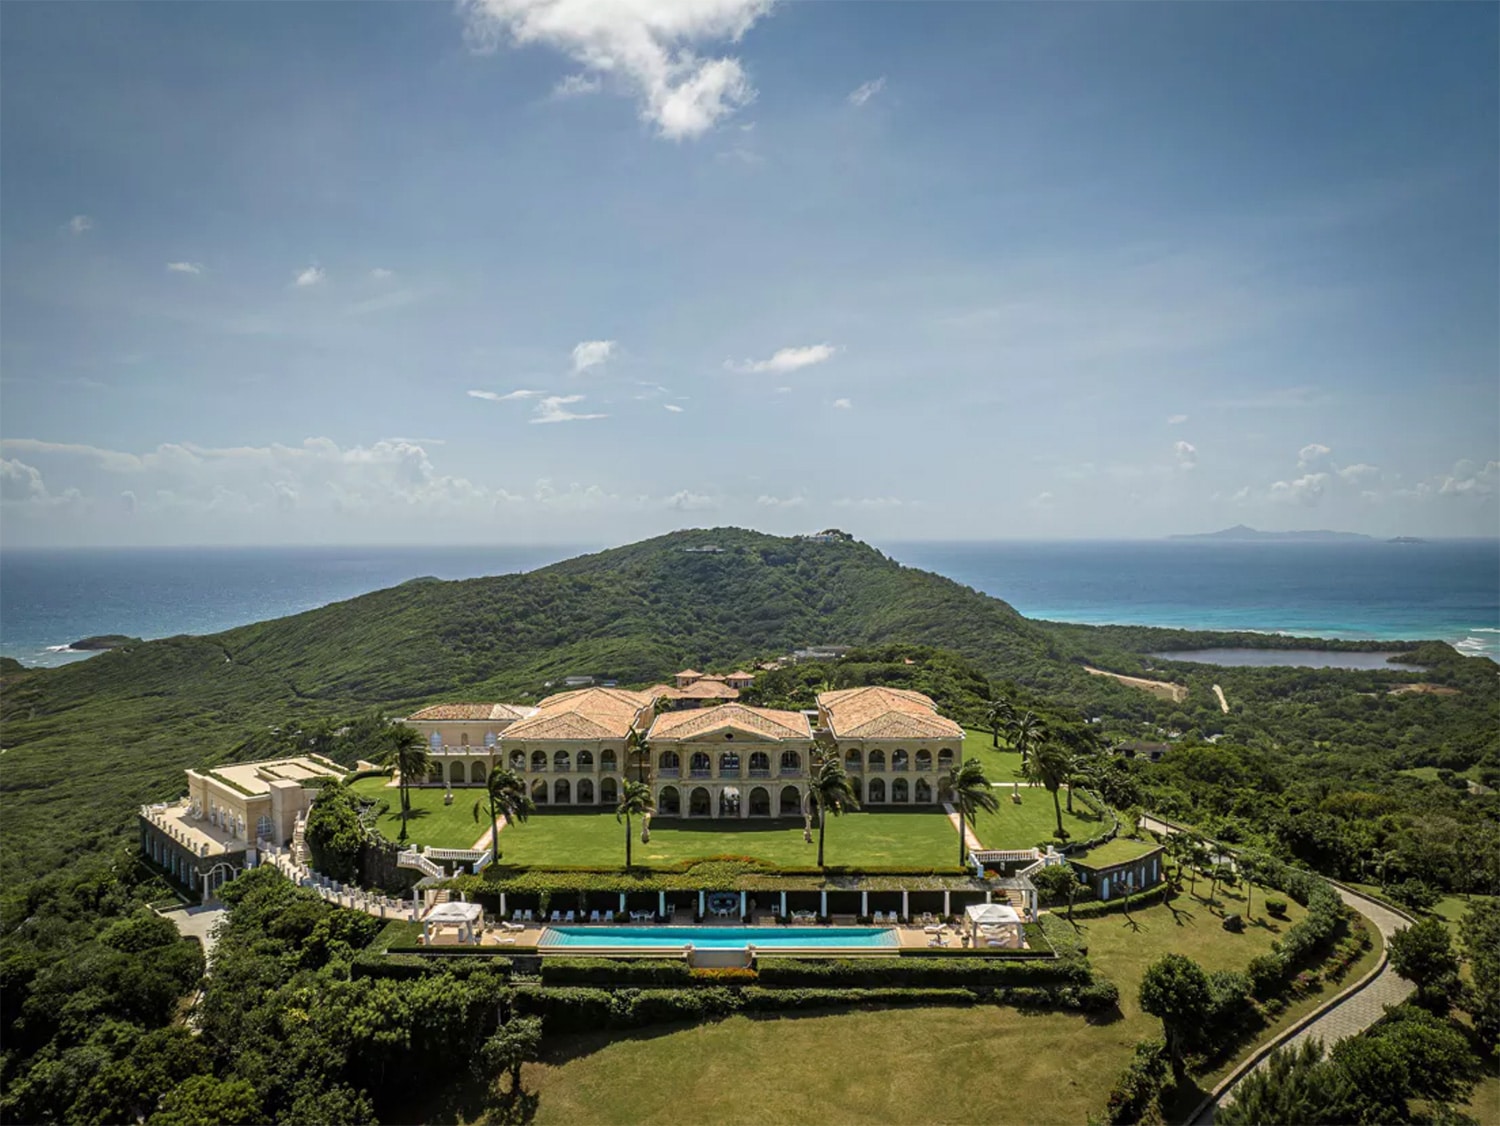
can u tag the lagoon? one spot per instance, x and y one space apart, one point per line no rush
1294 658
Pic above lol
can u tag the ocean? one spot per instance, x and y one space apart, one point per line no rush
1448 590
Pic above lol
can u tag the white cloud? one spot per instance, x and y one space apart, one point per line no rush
1470 480
312 275
1354 474
1186 454
553 409
781 502
1176 419
1043 500
1306 490
185 267
673 407
1312 455
864 93
843 404
576 85
646 46
591 353
508 397
785 360
380 273
80 223
686 501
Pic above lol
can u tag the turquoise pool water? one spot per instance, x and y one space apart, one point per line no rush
719 938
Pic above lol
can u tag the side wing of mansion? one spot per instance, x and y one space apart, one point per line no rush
701 757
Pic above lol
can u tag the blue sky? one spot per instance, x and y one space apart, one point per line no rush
547 270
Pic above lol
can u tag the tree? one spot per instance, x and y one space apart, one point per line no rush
1176 991
407 752
1296 1086
1048 765
997 717
506 793
970 792
516 1042
203 1100
1423 954
1058 883
635 744
1480 933
830 791
1027 731
635 801
334 834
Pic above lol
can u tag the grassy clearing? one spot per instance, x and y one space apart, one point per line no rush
1031 821
1116 851
1038 1067
1001 763
432 822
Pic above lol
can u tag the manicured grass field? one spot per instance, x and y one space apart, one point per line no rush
1114 852
1002 764
938 1065
1032 821
432 822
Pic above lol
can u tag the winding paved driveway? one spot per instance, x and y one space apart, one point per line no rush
1347 1014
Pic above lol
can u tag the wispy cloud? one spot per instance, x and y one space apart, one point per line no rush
1176 419
80 223
1186 454
380 273
673 407
785 360
843 404
863 94
648 48
312 275
765 501
591 353
577 85
508 397
185 267
553 409
1312 456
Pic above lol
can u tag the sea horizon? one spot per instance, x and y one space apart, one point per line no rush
1441 589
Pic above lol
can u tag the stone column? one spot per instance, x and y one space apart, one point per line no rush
742 905
823 903
661 903
864 904
502 906
783 905
905 905
622 903
702 903
989 897
947 910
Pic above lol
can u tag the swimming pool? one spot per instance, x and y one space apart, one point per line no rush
720 938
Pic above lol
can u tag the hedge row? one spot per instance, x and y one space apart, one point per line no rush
1097 907
1064 938
1307 940
614 971
405 967
581 1009
876 973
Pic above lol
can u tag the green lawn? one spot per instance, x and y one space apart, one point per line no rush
432 822
909 1065
918 838
1116 851
1002 765
1031 822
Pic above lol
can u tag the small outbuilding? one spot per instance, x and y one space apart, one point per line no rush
994 924
465 918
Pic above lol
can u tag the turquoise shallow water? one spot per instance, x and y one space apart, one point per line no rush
719 938
1447 590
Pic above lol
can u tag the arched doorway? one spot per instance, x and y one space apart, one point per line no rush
457 776
857 785
924 791
791 801
729 802
760 802
539 792
477 772
877 791
669 802
699 803
609 792
900 791
585 791
562 792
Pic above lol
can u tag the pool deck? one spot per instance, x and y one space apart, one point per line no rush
908 936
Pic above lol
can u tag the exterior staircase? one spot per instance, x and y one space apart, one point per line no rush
299 842
411 858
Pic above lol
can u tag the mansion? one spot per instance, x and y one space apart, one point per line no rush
701 757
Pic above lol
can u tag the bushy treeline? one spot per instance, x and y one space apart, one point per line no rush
91 984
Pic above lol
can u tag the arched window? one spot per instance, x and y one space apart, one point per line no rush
729 802
585 791
609 792
538 760
463 738
853 760
562 792
539 792
477 771
700 764
791 801
699 803
729 764
489 738
791 762
669 764
457 774
518 760
668 802
586 760
607 761
945 759
760 802
900 791
877 760
877 789
435 741
924 760
561 762
924 790
760 765
899 759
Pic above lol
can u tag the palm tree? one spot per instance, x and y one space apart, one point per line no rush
830 791
998 716
1048 765
407 752
506 791
1027 731
970 792
635 801
635 743
1080 768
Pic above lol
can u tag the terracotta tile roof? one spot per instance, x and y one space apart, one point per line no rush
586 713
885 713
471 711
698 690
762 723
690 672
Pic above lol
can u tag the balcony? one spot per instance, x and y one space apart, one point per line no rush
760 772
698 772
668 772
563 768
789 772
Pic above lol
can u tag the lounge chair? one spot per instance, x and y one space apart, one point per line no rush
513 927
593 916
526 916
515 916
556 916
570 917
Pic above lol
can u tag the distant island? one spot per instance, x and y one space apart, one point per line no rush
1242 533
101 642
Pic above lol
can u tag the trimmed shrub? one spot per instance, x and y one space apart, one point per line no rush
406 967
614 971
726 975
1136 1094
1097 907
1064 938
1276 906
